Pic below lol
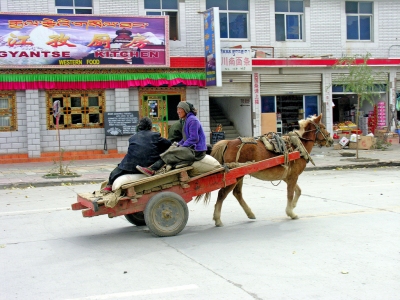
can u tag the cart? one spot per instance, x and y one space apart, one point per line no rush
160 201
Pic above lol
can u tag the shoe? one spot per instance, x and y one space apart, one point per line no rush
146 171
107 189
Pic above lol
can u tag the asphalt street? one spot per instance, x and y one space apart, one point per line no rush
345 245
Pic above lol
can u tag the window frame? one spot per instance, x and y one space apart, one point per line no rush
74 7
68 111
301 18
164 12
359 15
10 111
228 11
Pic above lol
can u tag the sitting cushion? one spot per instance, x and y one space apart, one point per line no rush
124 179
207 164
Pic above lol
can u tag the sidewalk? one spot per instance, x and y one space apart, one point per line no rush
95 171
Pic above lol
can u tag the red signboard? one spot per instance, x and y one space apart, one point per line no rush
32 40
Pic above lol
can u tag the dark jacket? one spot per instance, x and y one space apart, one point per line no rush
144 149
175 131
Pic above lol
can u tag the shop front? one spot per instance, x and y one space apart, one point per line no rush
112 69
287 99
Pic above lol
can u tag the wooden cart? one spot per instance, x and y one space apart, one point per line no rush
160 201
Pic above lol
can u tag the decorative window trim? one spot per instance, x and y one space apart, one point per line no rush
10 112
69 114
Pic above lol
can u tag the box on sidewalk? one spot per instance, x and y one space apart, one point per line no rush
364 143
344 141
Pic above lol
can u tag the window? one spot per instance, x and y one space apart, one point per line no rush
358 20
74 7
8 116
233 18
165 8
289 21
79 109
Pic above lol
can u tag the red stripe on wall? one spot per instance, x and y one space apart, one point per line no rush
302 62
187 62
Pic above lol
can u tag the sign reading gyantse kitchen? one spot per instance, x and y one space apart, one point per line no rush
83 41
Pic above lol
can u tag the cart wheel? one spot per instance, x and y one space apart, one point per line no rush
166 214
136 218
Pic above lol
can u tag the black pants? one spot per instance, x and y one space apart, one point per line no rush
117 172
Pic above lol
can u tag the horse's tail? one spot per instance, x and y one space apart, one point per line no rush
207 198
218 150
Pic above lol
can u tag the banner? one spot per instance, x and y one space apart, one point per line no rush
236 59
83 41
212 47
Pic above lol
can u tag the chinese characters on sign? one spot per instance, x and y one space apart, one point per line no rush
256 88
80 40
236 59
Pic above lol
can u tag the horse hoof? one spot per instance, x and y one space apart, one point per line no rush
219 224
295 217
252 217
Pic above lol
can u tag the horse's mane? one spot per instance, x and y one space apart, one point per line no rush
304 123
218 150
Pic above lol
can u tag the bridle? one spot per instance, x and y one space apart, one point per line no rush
317 130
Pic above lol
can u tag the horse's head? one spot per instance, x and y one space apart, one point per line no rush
313 130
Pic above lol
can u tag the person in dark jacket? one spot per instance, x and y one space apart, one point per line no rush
145 148
191 148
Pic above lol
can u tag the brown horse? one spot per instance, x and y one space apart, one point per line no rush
225 151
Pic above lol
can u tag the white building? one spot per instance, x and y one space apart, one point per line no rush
294 46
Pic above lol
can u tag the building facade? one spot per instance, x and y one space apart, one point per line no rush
294 46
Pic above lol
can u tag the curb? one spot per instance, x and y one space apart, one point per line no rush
357 166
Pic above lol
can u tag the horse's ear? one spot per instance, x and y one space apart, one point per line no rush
318 119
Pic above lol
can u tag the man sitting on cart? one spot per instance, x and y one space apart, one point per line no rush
145 148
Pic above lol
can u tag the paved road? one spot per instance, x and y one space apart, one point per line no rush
344 246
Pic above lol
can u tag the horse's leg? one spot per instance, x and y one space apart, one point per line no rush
297 193
237 192
291 186
218 205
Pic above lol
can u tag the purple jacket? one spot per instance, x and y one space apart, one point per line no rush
194 132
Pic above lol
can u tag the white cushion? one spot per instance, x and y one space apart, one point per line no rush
124 179
207 164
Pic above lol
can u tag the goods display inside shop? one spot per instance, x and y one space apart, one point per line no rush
371 127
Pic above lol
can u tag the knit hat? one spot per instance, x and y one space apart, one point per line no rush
184 106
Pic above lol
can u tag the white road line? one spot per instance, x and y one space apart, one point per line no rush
33 211
140 293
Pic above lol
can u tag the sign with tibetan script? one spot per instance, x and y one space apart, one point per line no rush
212 47
236 59
83 41
120 123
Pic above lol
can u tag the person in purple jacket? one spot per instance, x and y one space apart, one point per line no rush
191 148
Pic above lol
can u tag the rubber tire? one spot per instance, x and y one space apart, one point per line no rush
136 219
166 214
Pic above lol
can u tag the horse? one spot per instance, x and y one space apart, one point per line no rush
226 151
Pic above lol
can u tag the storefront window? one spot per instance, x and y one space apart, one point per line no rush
79 109
8 117
268 104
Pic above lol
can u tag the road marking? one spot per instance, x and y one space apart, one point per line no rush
140 293
33 211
